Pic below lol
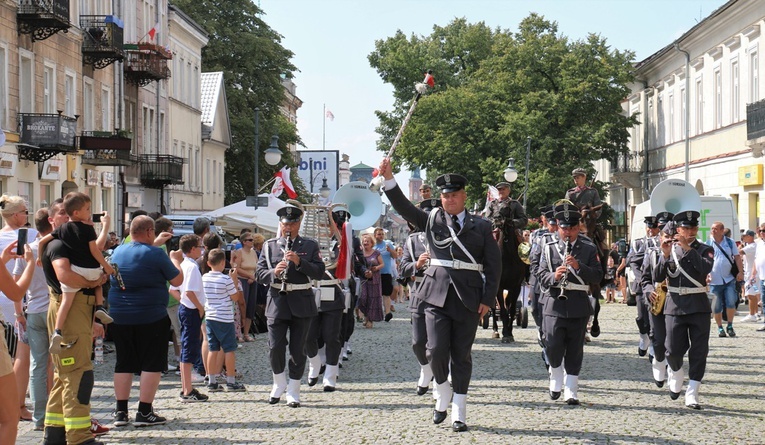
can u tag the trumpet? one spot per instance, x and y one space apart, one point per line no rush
283 275
564 281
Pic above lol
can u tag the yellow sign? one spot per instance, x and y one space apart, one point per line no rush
68 361
750 175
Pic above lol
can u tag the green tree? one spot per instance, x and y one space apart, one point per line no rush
494 89
253 61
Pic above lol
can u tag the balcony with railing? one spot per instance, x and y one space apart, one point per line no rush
755 127
158 171
46 135
102 40
43 18
145 63
627 169
106 148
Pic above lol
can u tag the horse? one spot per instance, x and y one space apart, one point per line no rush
595 233
514 272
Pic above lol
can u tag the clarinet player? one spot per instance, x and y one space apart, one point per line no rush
568 265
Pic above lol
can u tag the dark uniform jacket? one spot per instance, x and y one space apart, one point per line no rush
413 248
298 303
507 214
578 303
338 303
697 262
635 257
538 240
475 235
588 197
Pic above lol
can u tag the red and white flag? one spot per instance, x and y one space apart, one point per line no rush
153 31
430 80
283 182
329 115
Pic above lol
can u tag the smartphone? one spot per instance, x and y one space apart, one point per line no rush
97 217
22 241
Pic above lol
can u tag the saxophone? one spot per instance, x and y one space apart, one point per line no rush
283 275
564 281
657 305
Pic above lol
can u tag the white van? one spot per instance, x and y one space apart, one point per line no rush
713 208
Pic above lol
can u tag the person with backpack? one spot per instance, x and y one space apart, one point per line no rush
727 270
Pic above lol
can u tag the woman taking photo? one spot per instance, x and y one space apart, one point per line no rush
370 301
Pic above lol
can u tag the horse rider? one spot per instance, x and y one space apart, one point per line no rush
289 264
658 331
686 264
414 262
638 250
569 264
507 215
458 286
547 233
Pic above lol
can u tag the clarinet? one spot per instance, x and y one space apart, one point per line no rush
564 280
283 275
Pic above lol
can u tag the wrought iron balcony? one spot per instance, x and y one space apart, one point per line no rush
46 135
627 168
145 63
158 171
102 40
106 148
43 18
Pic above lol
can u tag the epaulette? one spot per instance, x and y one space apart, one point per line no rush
585 239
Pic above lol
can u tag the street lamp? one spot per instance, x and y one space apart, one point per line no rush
511 174
273 155
324 191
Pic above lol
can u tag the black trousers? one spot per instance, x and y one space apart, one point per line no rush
348 323
642 320
688 333
419 338
325 330
277 344
564 338
658 335
536 308
451 331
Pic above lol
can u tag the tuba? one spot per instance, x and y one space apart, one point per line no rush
674 195
524 250
657 306
317 225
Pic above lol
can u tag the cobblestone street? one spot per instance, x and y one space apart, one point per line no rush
508 402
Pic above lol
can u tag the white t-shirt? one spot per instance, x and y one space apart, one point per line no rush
748 251
219 288
759 258
6 238
192 282
38 298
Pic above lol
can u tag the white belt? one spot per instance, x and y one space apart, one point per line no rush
687 290
290 287
419 279
320 283
457 264
574 286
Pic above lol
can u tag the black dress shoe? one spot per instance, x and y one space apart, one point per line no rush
422 390
572 402
388 316
438 416
322 369
273 400
595 329
459 427
642 352
329 388
674 395
659 383
508 339
312 381
555 395
694 406
294 404
340 364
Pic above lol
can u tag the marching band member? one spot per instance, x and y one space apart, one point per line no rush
540 237
413 264
568 266
658 331
635 260
288 264
458 286
686 264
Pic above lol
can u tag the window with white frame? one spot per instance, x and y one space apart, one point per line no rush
660 121
161 130
197 161
146 131
106 109
718 104
754 76
180 93
129 20
215 176
149 17
189 85
49 87
671 117
70 93
636 130
26 192
196 91
208 174
87 104
26 81
3 87
699 105
735 91
683 112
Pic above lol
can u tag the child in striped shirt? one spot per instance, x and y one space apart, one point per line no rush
221 290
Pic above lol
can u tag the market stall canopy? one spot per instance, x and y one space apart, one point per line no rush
235 217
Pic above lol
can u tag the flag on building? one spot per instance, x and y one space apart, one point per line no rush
329 115
283 182
153 31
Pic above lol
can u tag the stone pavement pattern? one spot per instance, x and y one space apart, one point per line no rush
508 402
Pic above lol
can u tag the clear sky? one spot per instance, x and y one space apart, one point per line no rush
332 38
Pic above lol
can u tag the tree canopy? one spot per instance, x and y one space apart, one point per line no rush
254 62
496 88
